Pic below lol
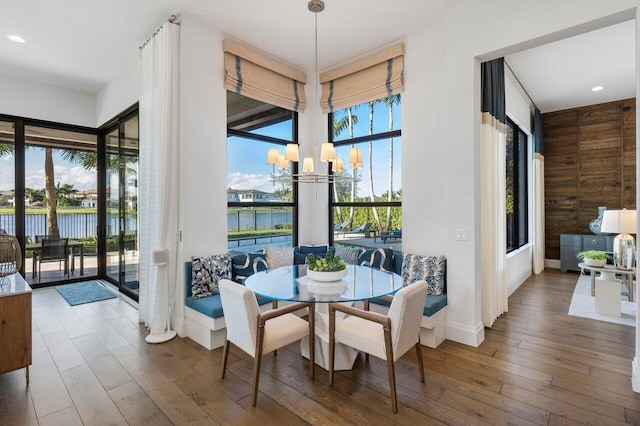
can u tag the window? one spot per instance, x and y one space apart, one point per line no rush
374 193
517 188
261 198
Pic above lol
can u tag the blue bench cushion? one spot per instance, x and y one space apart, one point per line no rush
211 306
432 305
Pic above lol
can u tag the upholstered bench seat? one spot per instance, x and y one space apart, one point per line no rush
212 306
432 305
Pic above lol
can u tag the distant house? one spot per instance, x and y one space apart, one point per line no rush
250 196
89 198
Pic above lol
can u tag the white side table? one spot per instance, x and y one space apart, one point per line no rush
608 297
609 273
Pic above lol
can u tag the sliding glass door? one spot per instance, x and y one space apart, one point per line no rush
121 181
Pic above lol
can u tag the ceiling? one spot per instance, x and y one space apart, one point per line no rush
83 45
560 75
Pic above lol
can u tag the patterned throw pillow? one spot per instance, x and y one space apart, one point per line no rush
206 272
247 264
381 258
278 256
300 253
432 269
349 254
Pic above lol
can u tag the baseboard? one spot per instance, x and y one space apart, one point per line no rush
552 263
518 281
465 334
635 375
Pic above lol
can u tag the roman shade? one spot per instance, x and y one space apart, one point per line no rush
257 76
374 77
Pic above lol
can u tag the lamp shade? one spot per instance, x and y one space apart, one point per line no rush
619 222
307 165
291 153
272 156
338 165
327 152
282 162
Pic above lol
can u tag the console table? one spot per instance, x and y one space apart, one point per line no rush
572 244
15 324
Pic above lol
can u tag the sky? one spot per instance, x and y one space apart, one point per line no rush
247 167
64 172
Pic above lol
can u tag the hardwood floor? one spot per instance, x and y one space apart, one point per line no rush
536 366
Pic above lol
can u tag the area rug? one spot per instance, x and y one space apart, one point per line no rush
584 305
87 292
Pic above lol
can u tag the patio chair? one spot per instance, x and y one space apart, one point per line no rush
364 229
54 250
343 228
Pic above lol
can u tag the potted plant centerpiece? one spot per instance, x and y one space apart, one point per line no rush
328 268
594 258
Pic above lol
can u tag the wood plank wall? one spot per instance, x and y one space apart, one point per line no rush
590 161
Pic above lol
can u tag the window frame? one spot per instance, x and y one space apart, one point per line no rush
294 165
520 232
345 142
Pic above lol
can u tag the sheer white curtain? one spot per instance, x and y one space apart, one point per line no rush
538 195
493 213
159 173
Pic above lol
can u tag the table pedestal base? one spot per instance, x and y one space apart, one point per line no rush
345 355
608 297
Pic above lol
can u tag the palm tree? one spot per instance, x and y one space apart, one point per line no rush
346 122
390 101
50 194
371 193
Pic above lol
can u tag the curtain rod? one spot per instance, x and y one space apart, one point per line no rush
173 19
520 83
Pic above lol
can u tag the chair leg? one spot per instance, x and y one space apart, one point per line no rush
332 342
256 363
225 356
274 305
366 308
391 367
312 339
419 356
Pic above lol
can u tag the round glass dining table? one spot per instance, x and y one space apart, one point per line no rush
291 283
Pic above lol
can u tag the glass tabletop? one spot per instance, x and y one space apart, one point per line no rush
291 283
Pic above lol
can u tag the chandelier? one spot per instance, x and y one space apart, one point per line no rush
327 151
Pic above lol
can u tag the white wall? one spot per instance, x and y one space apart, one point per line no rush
119 94
203 138
441 128
26 98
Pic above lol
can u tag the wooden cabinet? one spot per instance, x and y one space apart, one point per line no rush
572 244
15 324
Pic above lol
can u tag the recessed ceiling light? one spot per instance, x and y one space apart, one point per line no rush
16 38
597 88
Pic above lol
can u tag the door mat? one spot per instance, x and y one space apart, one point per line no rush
87 292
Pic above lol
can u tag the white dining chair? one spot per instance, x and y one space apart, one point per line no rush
388 337
258 333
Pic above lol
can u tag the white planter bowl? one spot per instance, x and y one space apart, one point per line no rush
597 263
326 276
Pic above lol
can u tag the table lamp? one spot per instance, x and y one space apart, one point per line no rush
622 222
